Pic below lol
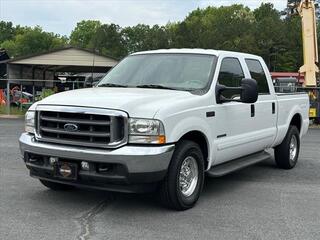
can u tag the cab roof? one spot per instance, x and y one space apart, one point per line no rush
196 51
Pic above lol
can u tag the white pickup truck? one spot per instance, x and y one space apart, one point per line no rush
162 120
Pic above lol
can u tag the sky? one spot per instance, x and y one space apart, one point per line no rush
61 16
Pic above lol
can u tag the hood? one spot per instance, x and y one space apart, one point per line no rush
137 102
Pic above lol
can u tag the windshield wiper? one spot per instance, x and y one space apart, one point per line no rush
111 85
155 86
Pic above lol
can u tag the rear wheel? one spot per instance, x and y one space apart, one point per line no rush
287 153
184 181
56 186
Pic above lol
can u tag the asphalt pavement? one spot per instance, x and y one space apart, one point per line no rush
260 202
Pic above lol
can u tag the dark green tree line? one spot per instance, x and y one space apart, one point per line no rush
19 41
264 31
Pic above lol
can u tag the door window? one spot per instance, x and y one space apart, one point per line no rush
230 75
258 74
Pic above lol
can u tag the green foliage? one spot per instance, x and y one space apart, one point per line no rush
108 41
45 93
82 35
269 32
7 31
263 31
143 37
13 110
104 38
32 41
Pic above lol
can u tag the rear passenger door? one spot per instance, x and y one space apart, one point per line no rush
265 108
241 128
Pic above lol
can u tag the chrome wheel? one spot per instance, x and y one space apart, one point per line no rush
293 148
188 176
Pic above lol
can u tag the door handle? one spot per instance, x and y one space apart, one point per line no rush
253 110
273 108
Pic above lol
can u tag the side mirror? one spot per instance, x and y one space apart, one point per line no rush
249 91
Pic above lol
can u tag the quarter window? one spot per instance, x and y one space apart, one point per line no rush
230 75
258 74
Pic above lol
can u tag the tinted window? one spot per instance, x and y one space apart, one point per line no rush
230 75
258 74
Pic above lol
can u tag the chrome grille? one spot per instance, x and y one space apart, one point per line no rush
81 126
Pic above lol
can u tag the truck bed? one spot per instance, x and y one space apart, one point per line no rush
288 105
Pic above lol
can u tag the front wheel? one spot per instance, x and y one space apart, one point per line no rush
287 153
184 181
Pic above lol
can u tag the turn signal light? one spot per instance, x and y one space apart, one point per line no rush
162 139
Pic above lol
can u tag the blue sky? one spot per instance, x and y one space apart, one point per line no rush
61 16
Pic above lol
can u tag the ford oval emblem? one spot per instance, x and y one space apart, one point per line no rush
70 127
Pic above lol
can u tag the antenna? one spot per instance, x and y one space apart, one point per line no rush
93 62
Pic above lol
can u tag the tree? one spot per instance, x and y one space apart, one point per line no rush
82 35
33 40
7 31
143 37
293 46
108 41
269 34
227 28
263 31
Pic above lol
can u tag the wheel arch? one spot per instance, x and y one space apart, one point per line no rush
201 139
296 120
296 116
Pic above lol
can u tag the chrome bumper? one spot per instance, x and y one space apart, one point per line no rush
137 159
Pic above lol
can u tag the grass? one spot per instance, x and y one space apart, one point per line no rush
13 111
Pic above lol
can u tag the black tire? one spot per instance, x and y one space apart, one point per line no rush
56 186
282 151
170 193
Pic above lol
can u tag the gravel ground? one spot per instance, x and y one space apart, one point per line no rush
260 202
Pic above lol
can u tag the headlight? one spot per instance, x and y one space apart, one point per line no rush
146 131
30 122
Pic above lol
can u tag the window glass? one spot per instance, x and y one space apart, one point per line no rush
258 74
177 71
230 75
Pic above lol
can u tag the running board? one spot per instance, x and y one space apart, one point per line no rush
237 164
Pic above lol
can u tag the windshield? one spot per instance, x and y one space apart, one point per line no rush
167 71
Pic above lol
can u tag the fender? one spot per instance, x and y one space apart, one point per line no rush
284 127
189 124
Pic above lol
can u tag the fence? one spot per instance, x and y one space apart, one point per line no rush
314 97
22 93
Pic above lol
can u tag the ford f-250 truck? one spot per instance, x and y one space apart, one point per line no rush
162 120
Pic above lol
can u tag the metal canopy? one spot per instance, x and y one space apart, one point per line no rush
69 56
69 59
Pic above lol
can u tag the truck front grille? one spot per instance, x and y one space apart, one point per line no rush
81 127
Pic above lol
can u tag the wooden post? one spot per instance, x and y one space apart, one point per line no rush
33 87
8 90
8 96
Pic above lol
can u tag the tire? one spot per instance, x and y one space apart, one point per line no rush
56 186
283 157
174 192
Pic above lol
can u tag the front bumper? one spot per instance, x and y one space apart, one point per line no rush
132 166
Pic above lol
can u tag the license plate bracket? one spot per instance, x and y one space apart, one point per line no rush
66 170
